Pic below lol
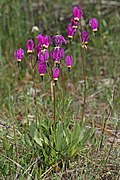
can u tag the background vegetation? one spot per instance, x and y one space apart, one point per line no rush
26 136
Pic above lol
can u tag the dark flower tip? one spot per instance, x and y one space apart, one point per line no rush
42 76
69 69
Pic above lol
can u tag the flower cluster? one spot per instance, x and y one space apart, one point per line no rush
58 52
75 21
84 35
44 57
42 53
41 49
76 17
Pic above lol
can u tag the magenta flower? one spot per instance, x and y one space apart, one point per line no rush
43 56
74 23
71 31
58 40
57 54
39 38
61 53
56 73
29 46
19 54
84 37
41 68
69 61
46 41
93 24
43 41
38 48
46 55
77 13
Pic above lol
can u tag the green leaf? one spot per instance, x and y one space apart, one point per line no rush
67 135
87 135
5 146
10 151
72 148
32 129
37 139
82 129
74 151
46 140
27 140
75 132
23 139
59 136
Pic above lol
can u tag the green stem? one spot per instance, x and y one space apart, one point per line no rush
33 77
63 91
84 77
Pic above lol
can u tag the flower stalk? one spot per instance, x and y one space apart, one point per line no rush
84 77
54 102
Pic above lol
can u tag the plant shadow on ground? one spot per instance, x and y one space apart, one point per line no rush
30 148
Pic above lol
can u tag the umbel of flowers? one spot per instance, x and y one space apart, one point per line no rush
44 57
77 14
41 49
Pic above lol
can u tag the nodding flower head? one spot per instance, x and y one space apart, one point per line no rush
71 31
93 22
43 55
56 73
41 58
62 53
19 54
43 41
77 13
39 38
69 61
42 68
84 38
29 46
58 40
46 55
46 41
57 54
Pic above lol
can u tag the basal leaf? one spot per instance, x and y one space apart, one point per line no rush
59 136
37 139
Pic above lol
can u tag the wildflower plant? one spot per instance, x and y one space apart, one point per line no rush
61 140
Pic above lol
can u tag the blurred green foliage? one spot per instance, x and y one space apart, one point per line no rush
18 17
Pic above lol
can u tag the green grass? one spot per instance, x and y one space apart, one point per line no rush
30 142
